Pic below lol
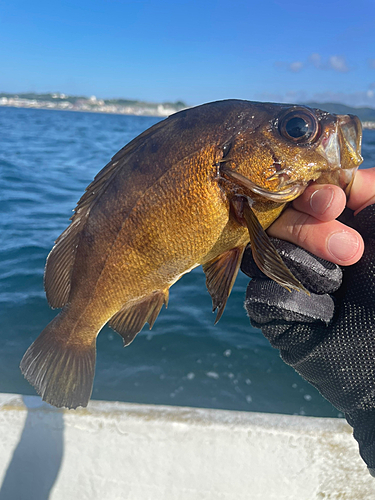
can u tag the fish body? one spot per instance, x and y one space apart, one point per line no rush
191 190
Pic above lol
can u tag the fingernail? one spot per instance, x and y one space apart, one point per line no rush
343 246
321 199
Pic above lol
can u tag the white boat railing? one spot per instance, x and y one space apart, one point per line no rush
142 452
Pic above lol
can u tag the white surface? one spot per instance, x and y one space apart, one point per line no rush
139 452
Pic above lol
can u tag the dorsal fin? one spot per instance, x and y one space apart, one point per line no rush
104 177
131 318
59 265
60 262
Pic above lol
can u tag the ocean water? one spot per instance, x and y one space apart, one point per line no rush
47 158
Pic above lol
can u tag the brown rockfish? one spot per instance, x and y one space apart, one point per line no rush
192 190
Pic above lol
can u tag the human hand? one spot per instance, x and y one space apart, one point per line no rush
329 338
310 221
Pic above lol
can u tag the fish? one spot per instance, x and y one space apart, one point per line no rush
192 190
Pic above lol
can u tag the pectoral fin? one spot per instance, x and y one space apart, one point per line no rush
131 318
265 254
221 274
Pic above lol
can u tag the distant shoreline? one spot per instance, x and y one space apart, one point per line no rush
93 111
368 125
62 102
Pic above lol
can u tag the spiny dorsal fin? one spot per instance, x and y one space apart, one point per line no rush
60 262
221 274
104 177
131 318
266 256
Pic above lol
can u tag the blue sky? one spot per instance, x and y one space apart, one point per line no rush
196 51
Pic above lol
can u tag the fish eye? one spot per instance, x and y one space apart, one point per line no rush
299 126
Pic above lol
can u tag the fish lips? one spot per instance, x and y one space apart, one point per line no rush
341 148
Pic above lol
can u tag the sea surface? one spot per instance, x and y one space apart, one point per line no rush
47 158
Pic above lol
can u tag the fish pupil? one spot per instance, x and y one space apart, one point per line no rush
297 127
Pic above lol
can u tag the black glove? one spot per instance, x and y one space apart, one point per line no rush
329 337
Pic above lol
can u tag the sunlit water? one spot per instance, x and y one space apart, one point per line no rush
47 158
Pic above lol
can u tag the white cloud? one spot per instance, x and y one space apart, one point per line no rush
338 63
316 60
296 66
335 63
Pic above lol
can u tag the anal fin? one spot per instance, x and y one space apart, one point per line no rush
221 274
132 317
266 256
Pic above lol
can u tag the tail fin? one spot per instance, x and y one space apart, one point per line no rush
61 372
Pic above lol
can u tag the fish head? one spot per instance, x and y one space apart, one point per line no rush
290 146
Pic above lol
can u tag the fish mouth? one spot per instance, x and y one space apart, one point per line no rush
341 148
